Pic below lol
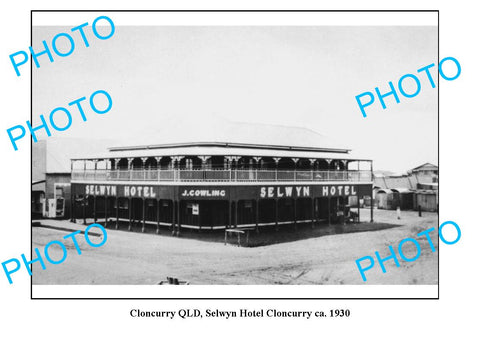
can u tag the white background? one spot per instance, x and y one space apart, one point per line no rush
454 315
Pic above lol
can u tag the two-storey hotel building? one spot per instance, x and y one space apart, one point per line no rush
286 178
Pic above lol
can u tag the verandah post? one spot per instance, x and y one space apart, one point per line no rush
229 212
276 214
295 213
256 215
72 205
143 214
106 209
84 202
358 205
313 212
94 207
236 213
129 214
172 227
179 206
158 216
329 212
116 213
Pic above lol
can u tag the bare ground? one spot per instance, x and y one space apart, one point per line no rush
319 257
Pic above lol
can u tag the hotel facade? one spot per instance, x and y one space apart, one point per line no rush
287 176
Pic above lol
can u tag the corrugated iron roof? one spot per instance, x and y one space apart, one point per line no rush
425 166
221 151
386 191
401 190
219 131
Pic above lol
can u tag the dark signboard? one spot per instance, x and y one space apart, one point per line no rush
204 192
120 190
299 191
284 191
226 192
339 190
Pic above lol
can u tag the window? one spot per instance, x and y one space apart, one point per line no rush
58 192
193 208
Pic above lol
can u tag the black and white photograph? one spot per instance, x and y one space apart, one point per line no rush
237 154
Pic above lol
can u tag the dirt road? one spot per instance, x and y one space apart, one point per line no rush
135 258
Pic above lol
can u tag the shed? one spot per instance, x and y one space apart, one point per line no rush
427 199
427 186
386 199
405 198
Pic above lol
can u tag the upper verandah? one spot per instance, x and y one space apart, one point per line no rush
202 156
235 147
284 154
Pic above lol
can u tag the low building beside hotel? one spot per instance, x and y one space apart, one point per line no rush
417 189
425 173
282 175
51 174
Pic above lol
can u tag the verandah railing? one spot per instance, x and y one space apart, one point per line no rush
212 175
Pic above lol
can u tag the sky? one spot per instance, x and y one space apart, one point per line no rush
169 80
